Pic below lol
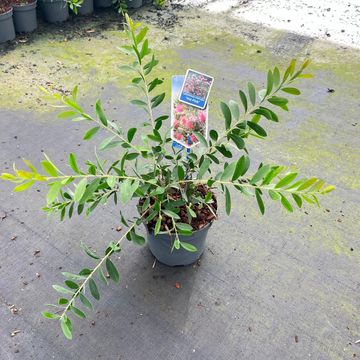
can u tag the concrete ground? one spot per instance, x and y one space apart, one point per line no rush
282 286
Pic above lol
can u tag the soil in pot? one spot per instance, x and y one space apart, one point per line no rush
103 3
86 8
55 10
7 30
24 15
161 244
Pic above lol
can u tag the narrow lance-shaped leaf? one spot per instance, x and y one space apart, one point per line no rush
112 270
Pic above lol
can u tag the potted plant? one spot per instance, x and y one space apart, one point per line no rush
55 10
175 193
86 7
24 15
7 31
134 4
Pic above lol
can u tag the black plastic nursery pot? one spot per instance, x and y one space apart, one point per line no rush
7 30
103 3
86 8
161 245
25 20
134 4
55 10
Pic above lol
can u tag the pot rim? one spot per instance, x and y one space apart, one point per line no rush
151 231
34 2
7 12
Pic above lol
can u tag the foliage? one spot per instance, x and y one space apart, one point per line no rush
74 5
150 169
160 3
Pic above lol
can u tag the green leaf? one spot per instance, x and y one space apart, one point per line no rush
85 301
184 226
260 201
270 82
112 270
157 100
235 110
89 252
276 77
204 168
260 174
140 103
109 143
328 189
252 93
102 277
171 214
53 192
78 312
285 202
286 180
257 128
100 113
80 190
131 134
238 140
297 199
227 114
62 290
67 114
188 246
72 276
242 166
144 49
243 100
23 186
140 36
65 324
227 201
49 315
127 189
49 168
90 133
71 284
94 289
278 101
137 239
214 135
73 163
307 184
229 171
158 225
274 195
291 90
201 138
63 301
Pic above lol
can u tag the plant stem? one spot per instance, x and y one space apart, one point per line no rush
81 287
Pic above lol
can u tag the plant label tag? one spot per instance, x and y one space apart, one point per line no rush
186 120
196 89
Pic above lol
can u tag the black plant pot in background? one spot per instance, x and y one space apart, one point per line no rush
161 244
55 10
134 4
25 17
7 30
103 3
86 8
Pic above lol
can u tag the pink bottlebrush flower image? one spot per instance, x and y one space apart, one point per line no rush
193 138
186 120
179 108
202 116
